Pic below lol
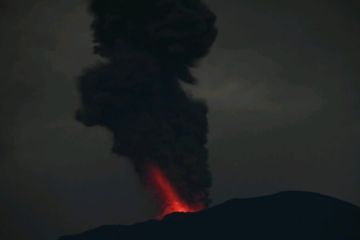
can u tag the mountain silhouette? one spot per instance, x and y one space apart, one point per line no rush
282 216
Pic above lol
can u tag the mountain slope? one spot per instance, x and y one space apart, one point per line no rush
286 215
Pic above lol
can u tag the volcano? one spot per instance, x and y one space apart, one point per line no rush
282 216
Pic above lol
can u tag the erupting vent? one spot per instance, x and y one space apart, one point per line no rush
171 200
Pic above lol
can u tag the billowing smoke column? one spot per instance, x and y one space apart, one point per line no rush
148 47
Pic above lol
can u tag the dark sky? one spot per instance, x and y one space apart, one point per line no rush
282 84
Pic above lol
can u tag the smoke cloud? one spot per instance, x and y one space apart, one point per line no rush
148 48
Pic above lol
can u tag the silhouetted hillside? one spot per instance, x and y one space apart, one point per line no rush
286 215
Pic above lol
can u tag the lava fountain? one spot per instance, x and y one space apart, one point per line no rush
168 195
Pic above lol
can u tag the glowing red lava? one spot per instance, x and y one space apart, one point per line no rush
171 200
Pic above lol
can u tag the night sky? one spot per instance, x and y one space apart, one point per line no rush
281 82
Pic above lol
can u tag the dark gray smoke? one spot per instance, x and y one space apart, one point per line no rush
148 47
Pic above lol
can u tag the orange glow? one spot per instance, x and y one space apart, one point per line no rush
171 200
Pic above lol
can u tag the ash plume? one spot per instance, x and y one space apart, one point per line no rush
148 48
